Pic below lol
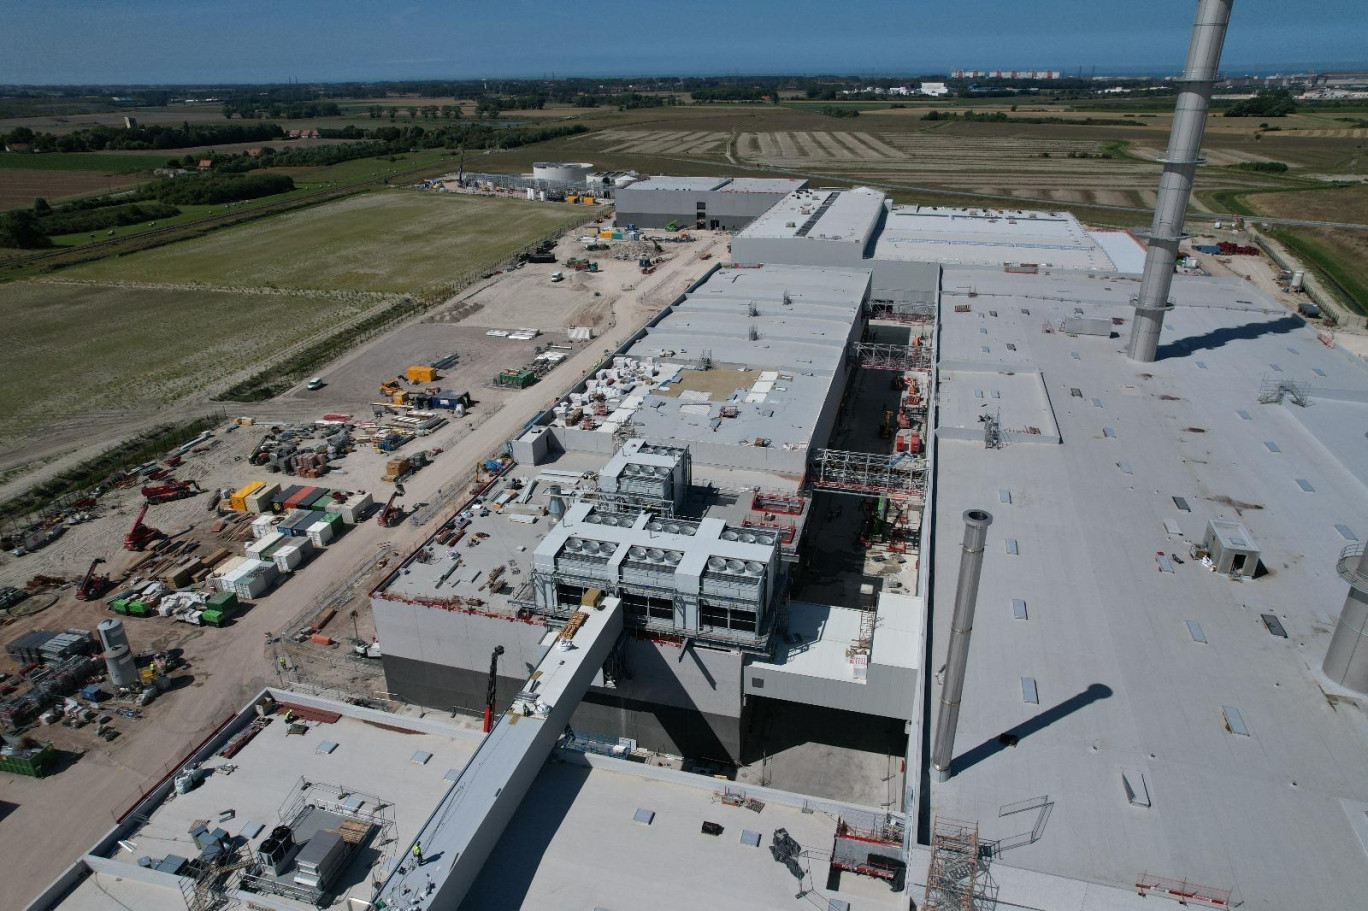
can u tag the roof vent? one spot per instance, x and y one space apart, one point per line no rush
574 544
657 555
672 527
717 564
735 566
636 553
593 519
673 557
747 538
730 536
655 526
754 569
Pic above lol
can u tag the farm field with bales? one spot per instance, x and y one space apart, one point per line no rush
390 241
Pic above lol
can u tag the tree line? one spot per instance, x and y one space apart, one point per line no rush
144 137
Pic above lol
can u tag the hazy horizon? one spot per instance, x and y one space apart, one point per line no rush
209 42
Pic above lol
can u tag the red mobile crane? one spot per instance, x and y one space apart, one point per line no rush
140 535
172 490
92 586
389 516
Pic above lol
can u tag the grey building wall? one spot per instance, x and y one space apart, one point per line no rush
721 455
888 692
682 701
904 281
732 211
798 251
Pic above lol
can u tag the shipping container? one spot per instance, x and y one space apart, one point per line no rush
264 525
320 534
302 496
354 510
322 501
260 501
261 545
279 500
421 374
238 500
35 762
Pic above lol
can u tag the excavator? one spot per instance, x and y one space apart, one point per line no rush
140 536
92 586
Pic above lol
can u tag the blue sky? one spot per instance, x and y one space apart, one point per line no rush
156 41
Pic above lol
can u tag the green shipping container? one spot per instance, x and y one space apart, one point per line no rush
137 609
33 763
120 606
322 501
212 617
223 601
334 519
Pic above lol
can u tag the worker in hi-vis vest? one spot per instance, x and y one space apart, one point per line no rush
418 853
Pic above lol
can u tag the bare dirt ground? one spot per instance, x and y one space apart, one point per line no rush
20 187
50 825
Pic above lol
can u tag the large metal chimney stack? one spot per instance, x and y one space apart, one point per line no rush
1346 660
976 522
1175 185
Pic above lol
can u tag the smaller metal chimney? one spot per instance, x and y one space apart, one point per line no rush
1346 660
556 502
976 522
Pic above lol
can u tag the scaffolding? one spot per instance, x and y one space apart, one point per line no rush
953 877
1273 391
902 358
921 311
900 475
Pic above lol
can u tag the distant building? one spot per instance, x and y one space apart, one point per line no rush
205 164
933 89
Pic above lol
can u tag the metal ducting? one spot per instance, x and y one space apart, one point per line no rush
976 522
1175 185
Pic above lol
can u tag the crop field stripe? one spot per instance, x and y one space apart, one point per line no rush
829 146
875 142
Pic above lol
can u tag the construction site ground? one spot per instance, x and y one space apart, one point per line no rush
42 827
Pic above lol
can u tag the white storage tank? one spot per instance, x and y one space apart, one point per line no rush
122 669
112 634
562 171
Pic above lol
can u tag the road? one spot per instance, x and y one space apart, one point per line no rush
52 826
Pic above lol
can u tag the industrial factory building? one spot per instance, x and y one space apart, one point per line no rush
1126 577
716 203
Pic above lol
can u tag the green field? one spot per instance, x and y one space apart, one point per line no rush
389 240
74 349
99 162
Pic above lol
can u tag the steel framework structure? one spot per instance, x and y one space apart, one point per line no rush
890 357
952 879
902 311
897 475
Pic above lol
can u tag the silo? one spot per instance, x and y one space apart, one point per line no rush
1346 660
112 634
122 670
